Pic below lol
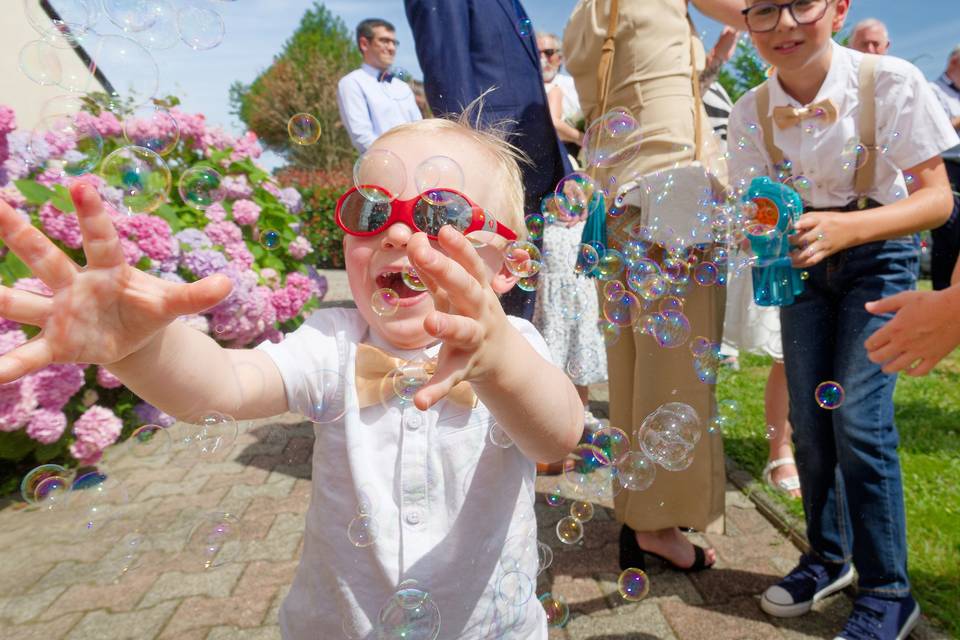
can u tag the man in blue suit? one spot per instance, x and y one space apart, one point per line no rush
465 47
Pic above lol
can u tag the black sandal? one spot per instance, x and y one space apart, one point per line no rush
631 555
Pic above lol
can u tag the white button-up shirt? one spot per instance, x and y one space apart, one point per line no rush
369 107
911 128
452 510
948 94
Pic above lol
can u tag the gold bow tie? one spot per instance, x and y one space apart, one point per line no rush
790 116
376 371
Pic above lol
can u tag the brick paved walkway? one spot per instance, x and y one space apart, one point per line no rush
59 580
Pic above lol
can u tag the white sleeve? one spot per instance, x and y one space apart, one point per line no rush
912 126
354 113
303 355
748 154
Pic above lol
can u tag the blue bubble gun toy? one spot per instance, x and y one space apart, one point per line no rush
775 282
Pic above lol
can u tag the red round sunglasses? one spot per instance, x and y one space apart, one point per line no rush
368 210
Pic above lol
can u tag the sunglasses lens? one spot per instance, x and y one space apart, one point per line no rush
442 208
362 215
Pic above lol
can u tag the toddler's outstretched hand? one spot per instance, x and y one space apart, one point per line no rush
468 318
99 313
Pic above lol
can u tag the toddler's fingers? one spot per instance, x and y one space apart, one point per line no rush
187 299
463 289
101 244
24 307
25 359
456 331
44 259
459 248
444 379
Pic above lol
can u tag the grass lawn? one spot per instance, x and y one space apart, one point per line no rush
928 417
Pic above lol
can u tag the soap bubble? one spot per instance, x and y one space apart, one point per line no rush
613 442
40 62
51 476
79 130
270 239
380 175
570 530
612 289
385 302
635 471
544 557
211 438
612 139
97 497
200 28
555 498
609 331
141 176
163 33
610 265
622 310
304 129
587 259
578 190
535 224
522 258
515 588
129 15
148 441
556 609
525 27
829 395
410 614
553 205
210 536
633 585
673 331
528 284
705 274
854 155
412 279
133 71
436 174
362 531
410 377
201 187
152 127
671 303
75 17
499 437
571 302
669 434
581 510
327 392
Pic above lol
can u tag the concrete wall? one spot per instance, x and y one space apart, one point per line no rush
16 89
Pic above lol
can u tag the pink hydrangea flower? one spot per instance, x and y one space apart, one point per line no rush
246 146
35 285
85 452
131 251
223 233
17 403
46 426
107 380
95 430
192 125
61 226
271 188
151 233
246 212
216 212
236 187
54 385
299 248
290 300
12 196
239 255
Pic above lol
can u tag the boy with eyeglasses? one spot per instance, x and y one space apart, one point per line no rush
858 128
421 520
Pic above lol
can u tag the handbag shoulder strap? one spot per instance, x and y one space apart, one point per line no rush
605 68
766 123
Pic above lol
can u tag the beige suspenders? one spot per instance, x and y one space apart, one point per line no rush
866 128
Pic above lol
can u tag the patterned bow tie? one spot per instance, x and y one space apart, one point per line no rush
386 77
377 370
790 116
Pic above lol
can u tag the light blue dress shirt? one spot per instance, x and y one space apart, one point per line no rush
369 107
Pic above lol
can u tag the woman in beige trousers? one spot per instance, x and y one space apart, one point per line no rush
653 75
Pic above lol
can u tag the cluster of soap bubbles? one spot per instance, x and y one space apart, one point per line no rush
409 614
669 435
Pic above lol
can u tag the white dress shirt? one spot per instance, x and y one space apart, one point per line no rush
571 100
948 94
369 107
450 506
911 128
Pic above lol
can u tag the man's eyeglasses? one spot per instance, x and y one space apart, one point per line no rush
392 41
549 52
765 16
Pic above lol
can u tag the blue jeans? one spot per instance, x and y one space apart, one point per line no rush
847 457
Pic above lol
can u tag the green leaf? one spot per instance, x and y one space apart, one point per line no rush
47 452
169 214
274 262
61 199
34 192
16 445
13 269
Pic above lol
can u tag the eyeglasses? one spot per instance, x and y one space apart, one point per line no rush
549 52
393 41
766 16
368 210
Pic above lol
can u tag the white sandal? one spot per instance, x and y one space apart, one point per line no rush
788 484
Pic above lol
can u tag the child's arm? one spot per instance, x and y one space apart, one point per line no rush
112 314
822 233
725 11
923 331
533 400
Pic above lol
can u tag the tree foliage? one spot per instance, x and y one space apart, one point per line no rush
744 71
303 79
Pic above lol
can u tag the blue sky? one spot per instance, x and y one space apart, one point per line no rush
922 31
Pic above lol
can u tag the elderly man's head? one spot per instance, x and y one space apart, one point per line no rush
870 36
953 63
551 55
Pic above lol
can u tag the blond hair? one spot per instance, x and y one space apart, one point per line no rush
493 139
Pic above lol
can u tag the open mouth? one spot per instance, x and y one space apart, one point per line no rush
787 47
394 280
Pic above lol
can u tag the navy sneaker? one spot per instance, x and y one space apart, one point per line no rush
881 619
811 581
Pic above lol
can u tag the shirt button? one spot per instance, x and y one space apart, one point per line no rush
413 517
414 422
